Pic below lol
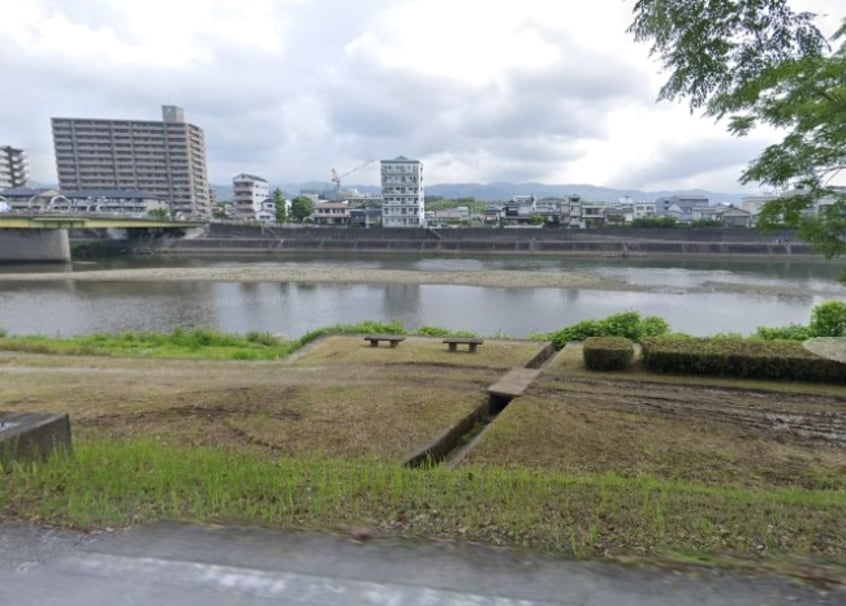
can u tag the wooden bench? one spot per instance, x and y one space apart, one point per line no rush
471 343
394 340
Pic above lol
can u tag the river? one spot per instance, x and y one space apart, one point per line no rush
697 296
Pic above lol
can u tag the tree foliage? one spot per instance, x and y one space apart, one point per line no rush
301 208
281 206
760 63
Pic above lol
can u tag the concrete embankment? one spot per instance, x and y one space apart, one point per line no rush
247 239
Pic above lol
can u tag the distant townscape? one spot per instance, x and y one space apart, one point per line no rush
140 168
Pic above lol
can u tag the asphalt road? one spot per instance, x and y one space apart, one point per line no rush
187 565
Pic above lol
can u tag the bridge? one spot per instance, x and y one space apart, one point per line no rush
44 237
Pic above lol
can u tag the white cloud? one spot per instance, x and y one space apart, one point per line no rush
480 91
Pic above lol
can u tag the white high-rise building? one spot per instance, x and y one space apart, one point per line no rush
13 167
403 202
249 197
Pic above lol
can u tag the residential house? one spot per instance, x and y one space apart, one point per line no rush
736 217
331 213
643 210
492 215
520 209
684 203
593 214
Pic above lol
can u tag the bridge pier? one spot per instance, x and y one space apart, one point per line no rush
34 245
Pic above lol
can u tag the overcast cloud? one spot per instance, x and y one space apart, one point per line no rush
536 90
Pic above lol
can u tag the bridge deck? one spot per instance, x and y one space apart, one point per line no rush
14 221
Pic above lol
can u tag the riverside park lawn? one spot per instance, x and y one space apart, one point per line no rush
584 464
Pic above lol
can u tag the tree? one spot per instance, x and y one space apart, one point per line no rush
281 206
755 63
301 208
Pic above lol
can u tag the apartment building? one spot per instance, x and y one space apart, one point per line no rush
165 158
14 171
250 198
402 193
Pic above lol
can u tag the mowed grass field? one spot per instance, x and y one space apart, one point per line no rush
338 397
715 432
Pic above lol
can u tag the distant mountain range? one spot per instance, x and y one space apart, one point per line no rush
503 191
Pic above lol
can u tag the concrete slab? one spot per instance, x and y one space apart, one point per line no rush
514 382
183 565
25 436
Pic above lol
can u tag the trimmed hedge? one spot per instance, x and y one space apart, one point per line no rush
607 353
773 360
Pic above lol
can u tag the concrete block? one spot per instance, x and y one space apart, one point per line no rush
27 436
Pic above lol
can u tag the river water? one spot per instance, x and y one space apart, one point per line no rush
700 296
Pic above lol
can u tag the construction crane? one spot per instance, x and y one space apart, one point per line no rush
336 178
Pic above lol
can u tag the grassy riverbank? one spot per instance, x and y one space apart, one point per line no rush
111 483
585 464
198 343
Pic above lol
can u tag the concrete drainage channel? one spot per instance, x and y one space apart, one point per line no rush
454 445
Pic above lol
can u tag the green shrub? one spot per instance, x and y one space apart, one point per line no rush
432 331
652 326
829 319
437 331
628 324
263 338
607 353
792 332
772 360
3 333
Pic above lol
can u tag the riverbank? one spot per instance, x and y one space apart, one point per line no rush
310 274
319 441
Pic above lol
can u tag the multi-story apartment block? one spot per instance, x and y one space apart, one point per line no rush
164 158
13 167
402 193
249 197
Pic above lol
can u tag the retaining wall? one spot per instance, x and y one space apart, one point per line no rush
364 244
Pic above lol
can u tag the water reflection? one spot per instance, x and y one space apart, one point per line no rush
400 301
68 307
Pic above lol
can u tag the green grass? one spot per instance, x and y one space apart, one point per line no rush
122 483
199 343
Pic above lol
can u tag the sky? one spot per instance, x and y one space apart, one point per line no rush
551 91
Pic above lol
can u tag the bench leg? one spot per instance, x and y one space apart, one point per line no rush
394 344
374 343
453 346
472 347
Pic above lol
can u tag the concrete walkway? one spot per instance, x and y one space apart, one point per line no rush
190 565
